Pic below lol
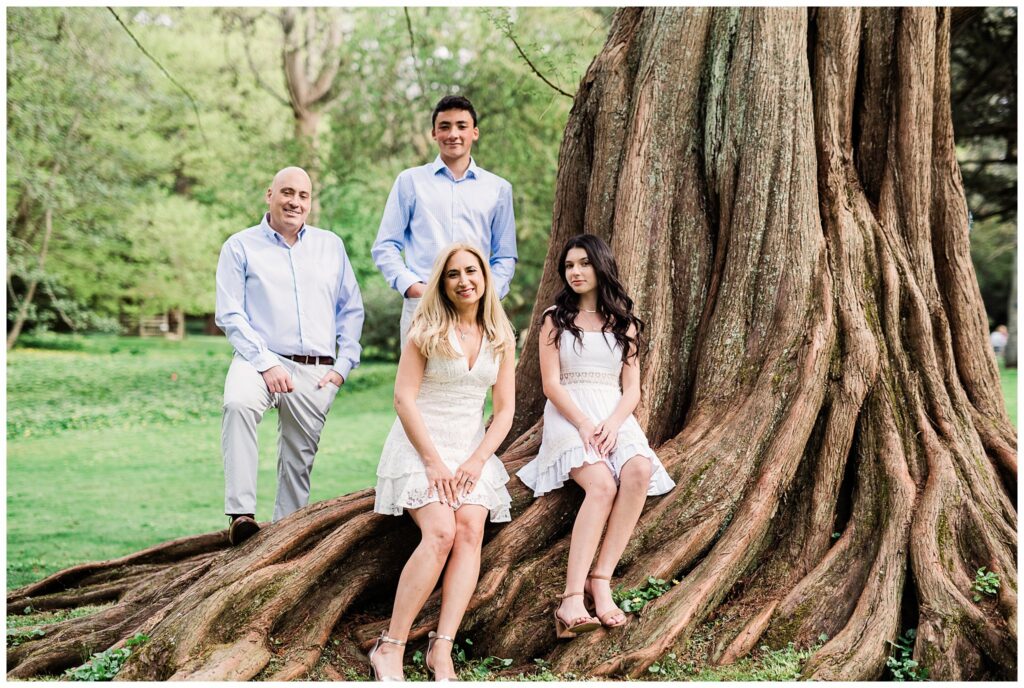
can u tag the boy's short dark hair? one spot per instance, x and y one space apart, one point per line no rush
452 103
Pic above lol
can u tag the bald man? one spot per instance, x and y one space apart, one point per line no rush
288 301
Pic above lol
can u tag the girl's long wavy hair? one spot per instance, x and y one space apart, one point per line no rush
613 303
436 315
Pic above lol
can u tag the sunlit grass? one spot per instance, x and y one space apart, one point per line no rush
1008 379
108 454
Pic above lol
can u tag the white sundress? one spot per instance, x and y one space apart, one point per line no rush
451 402
591 375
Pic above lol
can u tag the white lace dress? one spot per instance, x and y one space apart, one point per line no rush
451 402
592 376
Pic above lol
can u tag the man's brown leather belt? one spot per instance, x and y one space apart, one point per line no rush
310 360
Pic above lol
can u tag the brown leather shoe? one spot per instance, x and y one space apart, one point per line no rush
241 529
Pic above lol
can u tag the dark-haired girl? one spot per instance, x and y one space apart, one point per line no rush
589 342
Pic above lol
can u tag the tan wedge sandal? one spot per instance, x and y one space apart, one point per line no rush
566 631
588 598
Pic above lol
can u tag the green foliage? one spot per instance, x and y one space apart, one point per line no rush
141 197
31 617
542 673
476 669
132 384
985 583
16 637
635 599
104 666
467 667
983 67
901 663
125 382
993 252
381 336
765 664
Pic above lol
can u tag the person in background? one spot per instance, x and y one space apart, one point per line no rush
998 339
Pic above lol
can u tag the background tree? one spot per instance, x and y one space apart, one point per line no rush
781 189
137 187
983 67
311 58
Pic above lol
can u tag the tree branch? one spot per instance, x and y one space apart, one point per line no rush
325 87
174 81
259 79
55 303
412 51
962 17
995 161
535 70
997 212
294 77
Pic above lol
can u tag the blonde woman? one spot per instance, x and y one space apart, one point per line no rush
438 462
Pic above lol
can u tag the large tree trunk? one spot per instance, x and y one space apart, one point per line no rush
781 190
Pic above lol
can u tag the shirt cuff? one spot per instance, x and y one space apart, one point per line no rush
265 361
342 367
406 280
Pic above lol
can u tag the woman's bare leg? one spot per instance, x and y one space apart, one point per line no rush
460 579
597 481
437 535
629 502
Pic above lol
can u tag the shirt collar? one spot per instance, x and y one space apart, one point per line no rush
439 166
274 236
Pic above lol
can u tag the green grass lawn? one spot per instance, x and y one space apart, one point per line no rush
116 446
1008 379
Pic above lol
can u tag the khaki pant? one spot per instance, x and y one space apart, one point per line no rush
408 309
301 416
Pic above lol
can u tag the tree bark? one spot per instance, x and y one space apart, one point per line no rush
781 191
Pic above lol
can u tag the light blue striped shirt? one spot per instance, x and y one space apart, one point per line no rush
428 209
273 298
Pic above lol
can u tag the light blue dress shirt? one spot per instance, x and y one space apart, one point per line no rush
273 298
428 209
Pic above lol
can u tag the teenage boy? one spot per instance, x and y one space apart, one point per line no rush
448 200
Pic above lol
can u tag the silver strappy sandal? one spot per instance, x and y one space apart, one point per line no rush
431 637
376 646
